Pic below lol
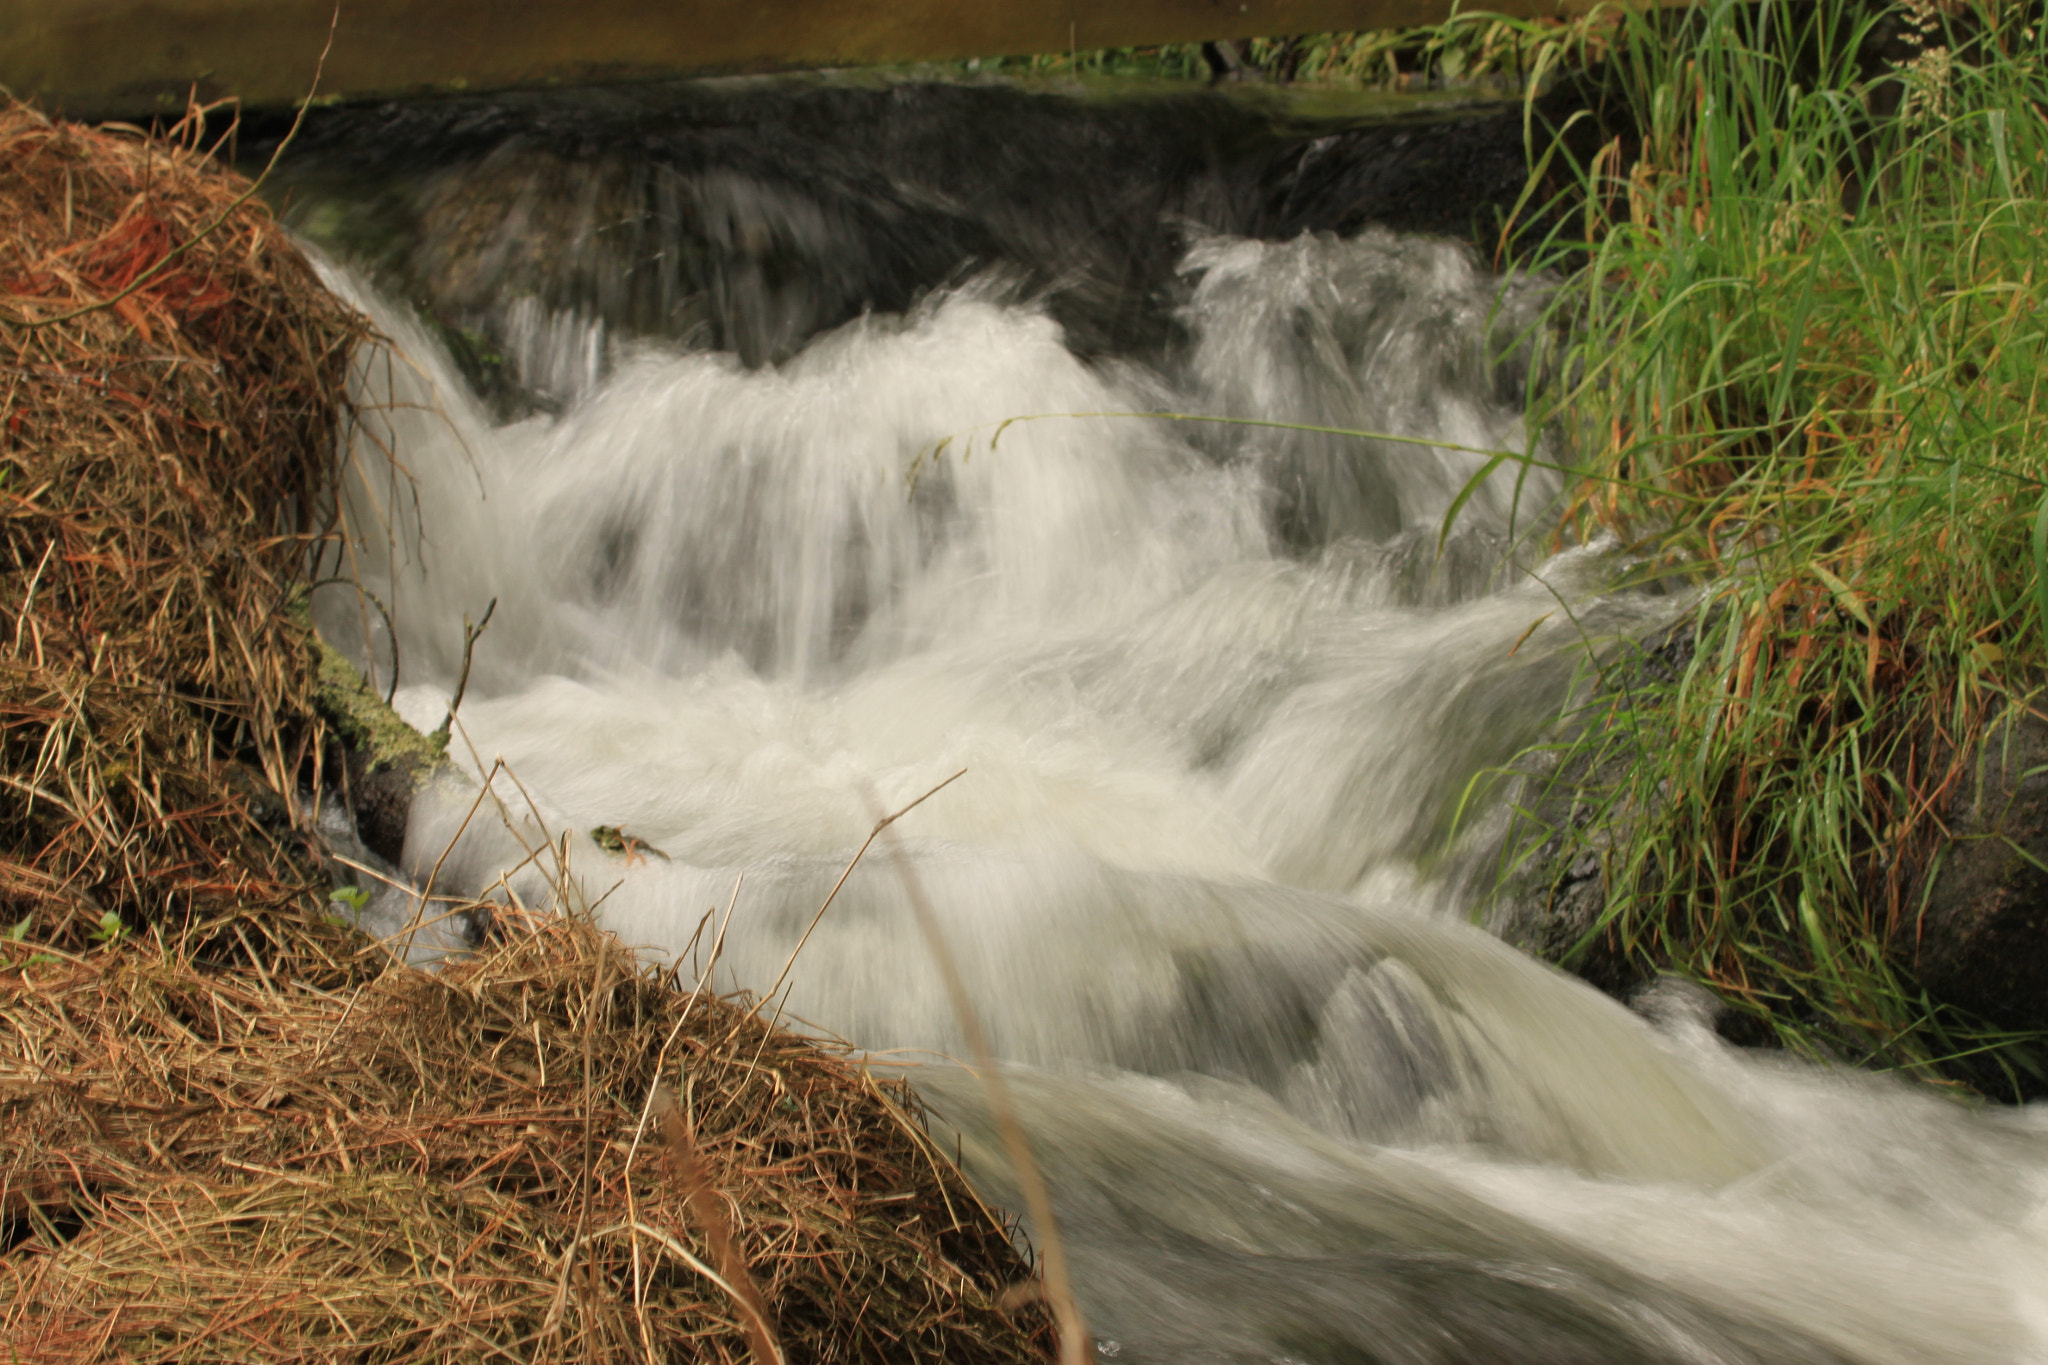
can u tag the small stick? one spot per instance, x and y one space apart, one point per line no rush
661 1057
600 990
880 825
705 1204
470 635
426 893
28 602
640 1128
1059 1289
390 630
505 812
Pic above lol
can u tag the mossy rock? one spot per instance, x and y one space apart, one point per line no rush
386 759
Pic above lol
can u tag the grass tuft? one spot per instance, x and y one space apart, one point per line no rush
1804 373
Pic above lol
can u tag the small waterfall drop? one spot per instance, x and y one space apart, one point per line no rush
1220 697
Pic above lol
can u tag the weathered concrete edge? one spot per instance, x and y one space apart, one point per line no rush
136 58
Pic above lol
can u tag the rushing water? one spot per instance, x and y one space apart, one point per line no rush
1220 700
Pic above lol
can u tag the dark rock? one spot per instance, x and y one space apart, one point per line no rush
1552 908
750 217
1981 942
380 796
385 759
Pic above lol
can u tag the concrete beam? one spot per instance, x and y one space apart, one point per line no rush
129 58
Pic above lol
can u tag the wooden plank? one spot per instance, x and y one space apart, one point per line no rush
100 58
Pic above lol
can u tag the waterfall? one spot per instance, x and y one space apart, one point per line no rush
1225 698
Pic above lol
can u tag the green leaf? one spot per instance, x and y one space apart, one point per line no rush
2041 565
1851 600
1472 485
1996 118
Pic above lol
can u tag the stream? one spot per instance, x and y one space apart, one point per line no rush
792 427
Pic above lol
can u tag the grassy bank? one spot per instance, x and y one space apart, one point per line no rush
1809 264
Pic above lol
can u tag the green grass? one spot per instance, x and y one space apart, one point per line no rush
1807 314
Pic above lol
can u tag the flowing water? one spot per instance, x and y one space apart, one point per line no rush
774 553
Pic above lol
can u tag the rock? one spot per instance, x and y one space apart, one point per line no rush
380 797
1552 907
1552 910
386 759
1982 939
1980 942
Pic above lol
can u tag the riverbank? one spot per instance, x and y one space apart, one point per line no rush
1807 330
238 1128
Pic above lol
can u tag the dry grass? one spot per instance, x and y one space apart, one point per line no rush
167 424
228 1164
235 1129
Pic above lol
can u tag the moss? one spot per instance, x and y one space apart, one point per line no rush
365 721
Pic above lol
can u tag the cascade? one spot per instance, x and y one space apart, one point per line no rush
799 493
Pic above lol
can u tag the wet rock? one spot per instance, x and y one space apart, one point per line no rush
1553 909
385 759
1982 939
380 797
538 230
1553 906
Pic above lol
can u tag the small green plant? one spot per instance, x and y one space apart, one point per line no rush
111 930
354 898
1466 49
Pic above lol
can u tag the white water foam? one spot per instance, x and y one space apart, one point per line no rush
1218 701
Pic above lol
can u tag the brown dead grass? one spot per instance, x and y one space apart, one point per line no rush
218 1165
169 399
